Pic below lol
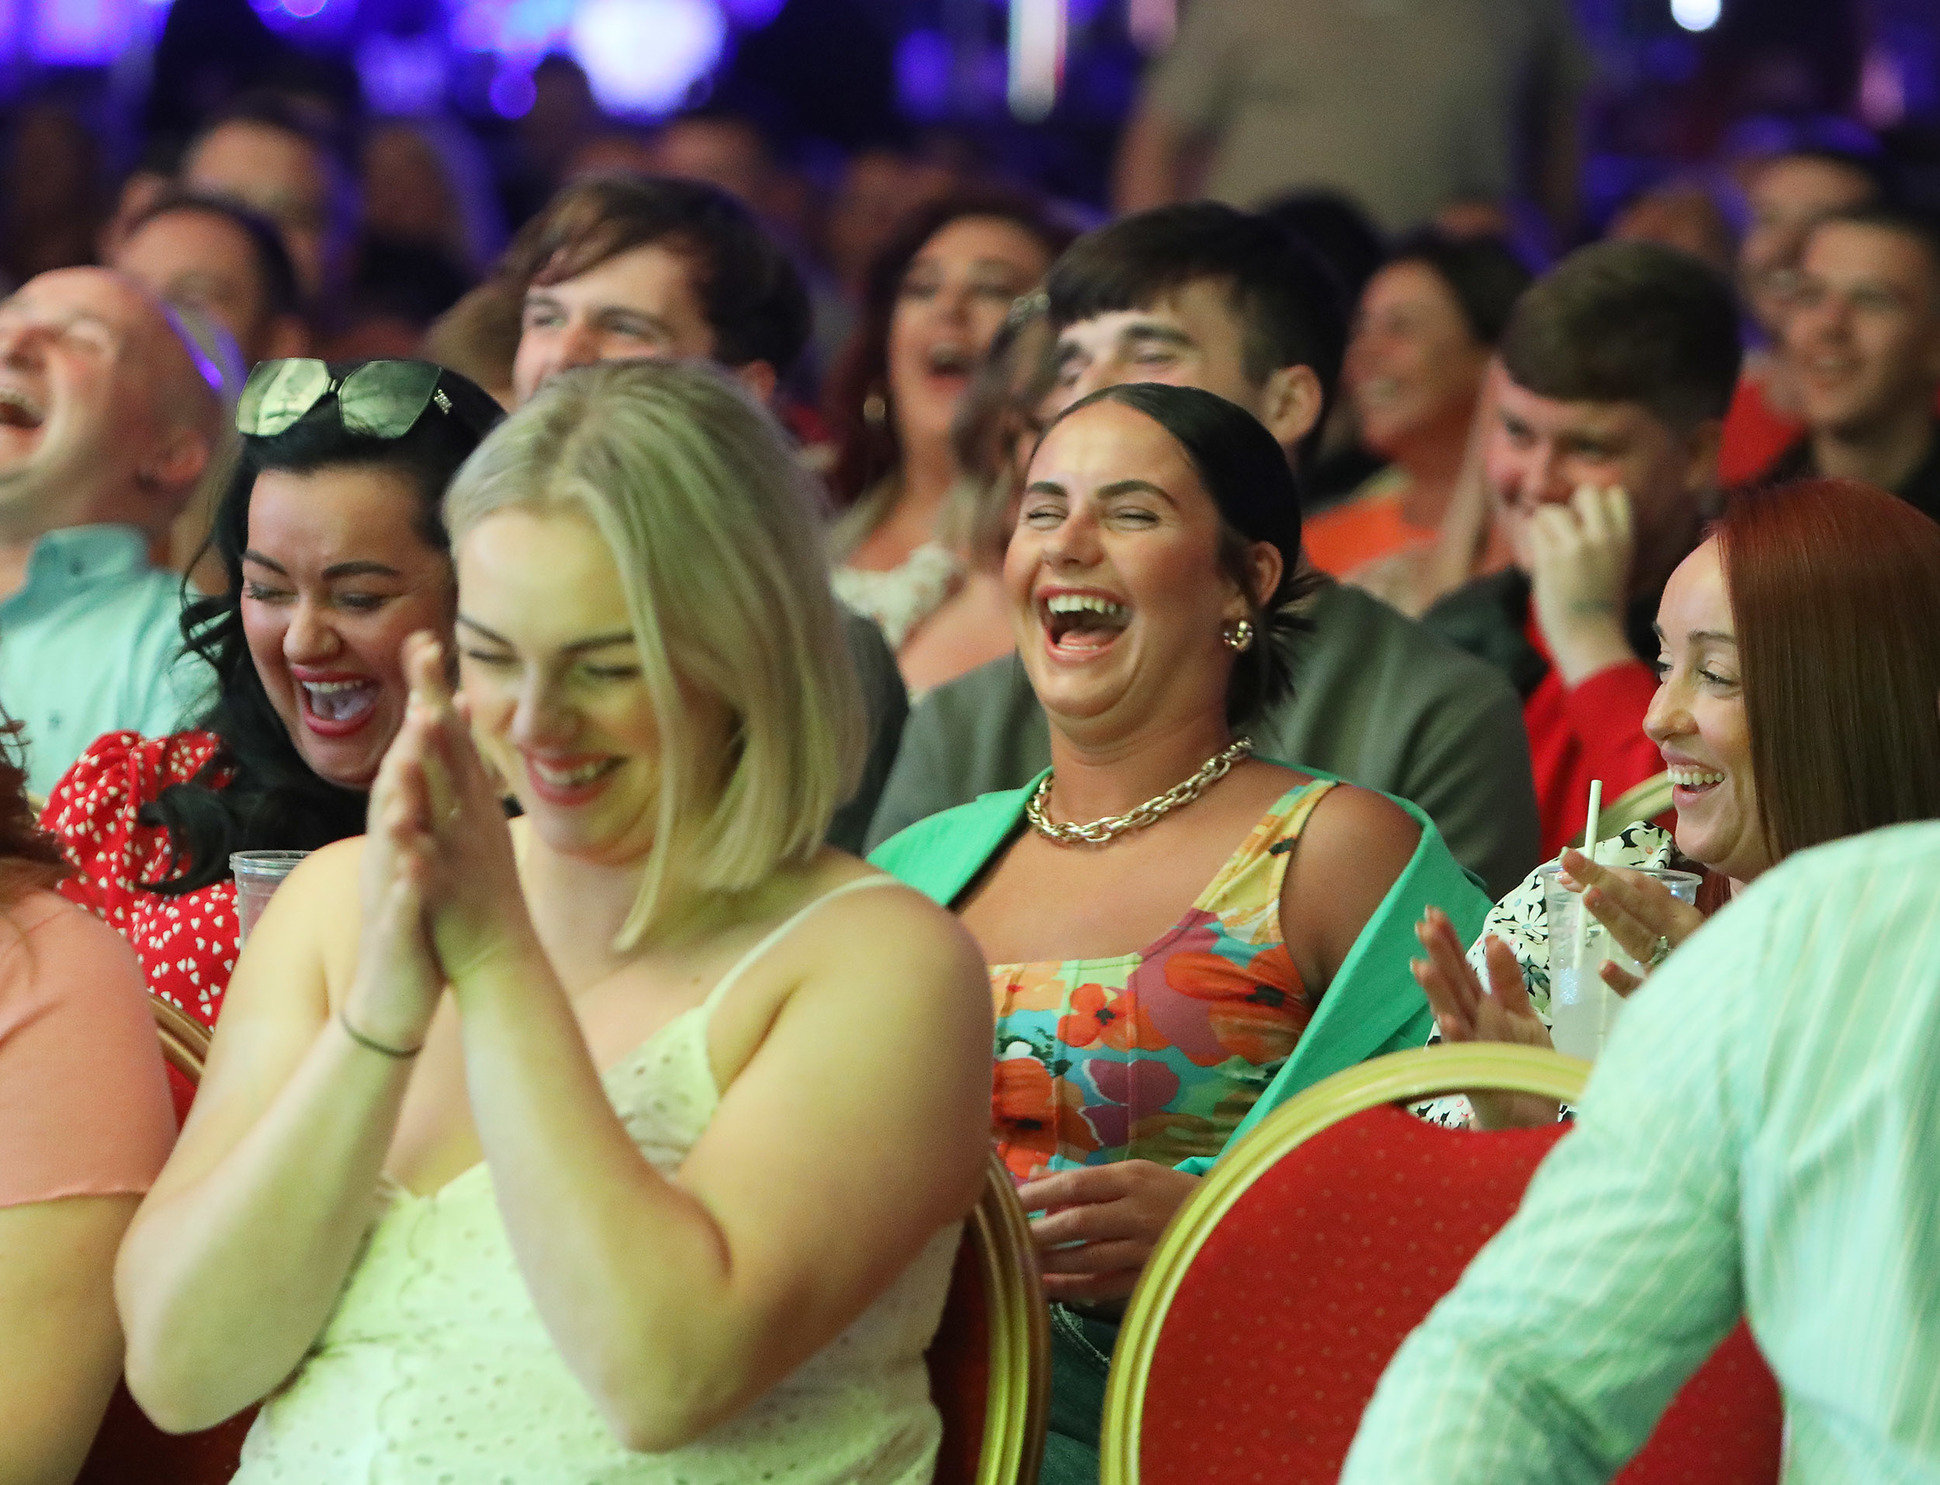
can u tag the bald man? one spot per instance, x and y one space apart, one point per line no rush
109 416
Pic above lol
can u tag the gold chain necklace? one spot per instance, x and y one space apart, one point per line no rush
1098 832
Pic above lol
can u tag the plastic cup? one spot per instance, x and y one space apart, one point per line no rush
258 874
1582 1009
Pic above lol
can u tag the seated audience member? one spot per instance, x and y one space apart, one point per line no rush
935 299
1785 194
622 267
1179 935
85 1125
996 426
1684 214
426 182
111 415
1767 1155
1204 295
1414 372
267 153
1798 666
332 551
208 254
1863 340
1601 460
601 1062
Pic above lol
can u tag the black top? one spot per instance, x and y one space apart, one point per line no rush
1920 489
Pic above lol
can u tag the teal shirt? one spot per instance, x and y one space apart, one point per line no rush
1372 1006
92 643
1761 1135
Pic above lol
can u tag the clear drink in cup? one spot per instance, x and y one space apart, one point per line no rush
258 874
1582 1009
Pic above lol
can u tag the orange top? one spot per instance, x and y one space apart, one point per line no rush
84 1105
1365 527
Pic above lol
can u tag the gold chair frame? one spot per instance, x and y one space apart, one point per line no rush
185 1041
1400 1077
1017 1397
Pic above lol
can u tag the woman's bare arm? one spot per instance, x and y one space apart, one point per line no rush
60 1347
232 1265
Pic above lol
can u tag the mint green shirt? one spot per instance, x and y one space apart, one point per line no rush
1762 1135
92 643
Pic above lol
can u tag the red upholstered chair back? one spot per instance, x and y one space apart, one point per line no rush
990 1363
1266 1317
129 1450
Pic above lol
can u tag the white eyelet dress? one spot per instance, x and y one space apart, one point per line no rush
435 1368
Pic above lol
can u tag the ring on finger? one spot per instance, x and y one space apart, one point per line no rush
1662 952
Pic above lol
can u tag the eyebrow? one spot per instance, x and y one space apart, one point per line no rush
578 646
1701 636
1105 492
1149 330
360 568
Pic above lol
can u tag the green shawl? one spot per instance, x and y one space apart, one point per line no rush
1373 1006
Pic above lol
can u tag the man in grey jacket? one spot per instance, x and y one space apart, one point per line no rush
1204 295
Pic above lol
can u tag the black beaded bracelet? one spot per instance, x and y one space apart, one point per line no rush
401 1054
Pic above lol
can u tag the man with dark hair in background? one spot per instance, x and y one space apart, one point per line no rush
1786 195
630 267
208 253
1863 343
1208 296
275 157
1602 456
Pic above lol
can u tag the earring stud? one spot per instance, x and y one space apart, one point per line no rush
1239 638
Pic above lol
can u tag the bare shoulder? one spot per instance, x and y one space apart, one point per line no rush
879 940
877 915
313 921
1353 819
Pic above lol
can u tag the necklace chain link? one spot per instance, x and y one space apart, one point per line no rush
1098 832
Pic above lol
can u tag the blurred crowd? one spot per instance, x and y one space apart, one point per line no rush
1204 605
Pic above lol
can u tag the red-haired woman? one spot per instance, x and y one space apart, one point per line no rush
85 1124
1799 703
935 299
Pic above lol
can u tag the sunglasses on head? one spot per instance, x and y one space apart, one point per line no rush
380 399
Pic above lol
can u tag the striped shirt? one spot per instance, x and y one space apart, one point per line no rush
1762 1135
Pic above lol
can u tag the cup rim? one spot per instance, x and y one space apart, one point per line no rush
1666 873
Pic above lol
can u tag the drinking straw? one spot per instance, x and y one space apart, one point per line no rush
1589 849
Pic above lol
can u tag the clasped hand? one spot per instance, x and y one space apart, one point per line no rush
440 884
1579 573
1100 1225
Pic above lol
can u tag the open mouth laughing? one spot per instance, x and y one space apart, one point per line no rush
1079 624
338 707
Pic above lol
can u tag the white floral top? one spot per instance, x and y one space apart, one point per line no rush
1521 921
900 599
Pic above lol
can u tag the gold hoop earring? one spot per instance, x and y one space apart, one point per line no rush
1239 638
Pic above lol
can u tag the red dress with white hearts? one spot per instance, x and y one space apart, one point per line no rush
186 945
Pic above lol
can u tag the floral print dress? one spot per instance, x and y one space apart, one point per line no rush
1156 1055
